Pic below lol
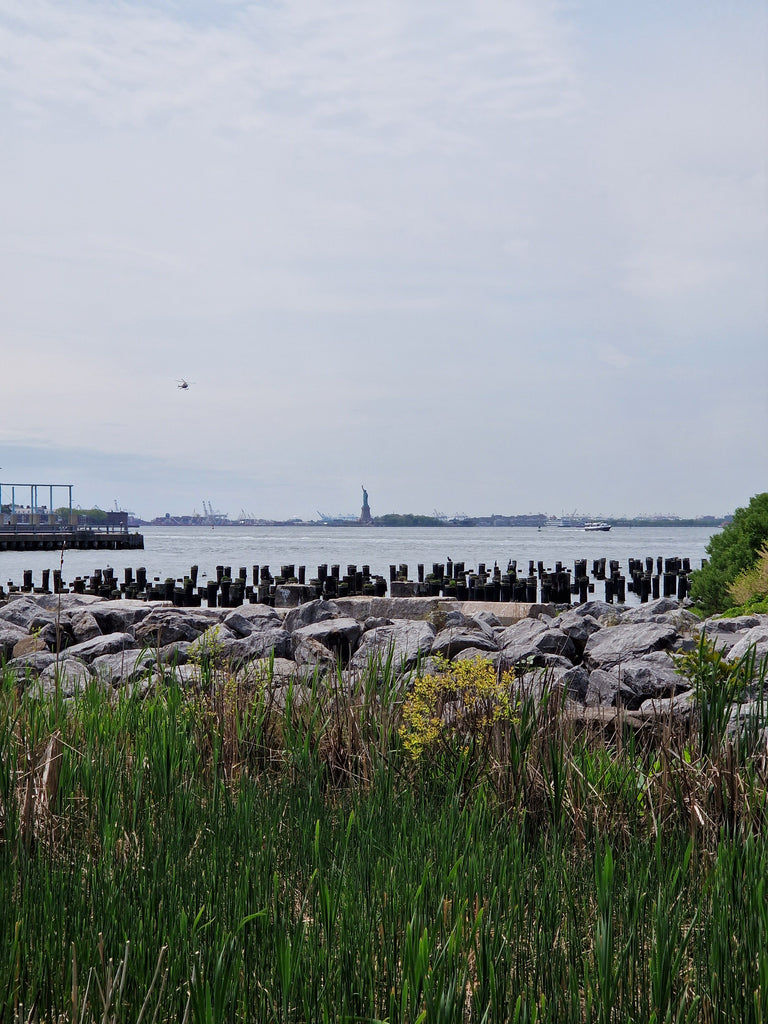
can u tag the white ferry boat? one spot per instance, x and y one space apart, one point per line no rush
594 527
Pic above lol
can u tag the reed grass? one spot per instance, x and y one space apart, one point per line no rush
243 851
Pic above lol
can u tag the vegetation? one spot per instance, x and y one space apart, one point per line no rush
407 519
733 552
463 850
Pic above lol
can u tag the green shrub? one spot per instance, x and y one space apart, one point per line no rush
731 552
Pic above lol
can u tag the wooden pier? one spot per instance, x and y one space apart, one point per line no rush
25 538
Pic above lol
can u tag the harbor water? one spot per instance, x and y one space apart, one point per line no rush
170 551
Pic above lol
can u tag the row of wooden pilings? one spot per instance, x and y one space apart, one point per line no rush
648 578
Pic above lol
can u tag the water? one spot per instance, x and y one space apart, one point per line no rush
170 551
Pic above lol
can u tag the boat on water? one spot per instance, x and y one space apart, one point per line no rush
594 527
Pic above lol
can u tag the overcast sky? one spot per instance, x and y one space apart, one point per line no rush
506 256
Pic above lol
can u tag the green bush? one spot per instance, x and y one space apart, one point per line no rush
731 552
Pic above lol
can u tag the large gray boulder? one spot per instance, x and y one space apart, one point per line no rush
520 633
270 639
450 641
30 665
578 627
576 682
69 677
21 611
10 634
310 613
612 646
217 644
652 675
125 667
89 650
249 618
756 637
83 625
119 616
310 656
604 689
339 635
167 625
404 640
680 706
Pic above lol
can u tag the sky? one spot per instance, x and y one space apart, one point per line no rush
496 256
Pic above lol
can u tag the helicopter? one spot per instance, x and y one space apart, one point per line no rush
183 385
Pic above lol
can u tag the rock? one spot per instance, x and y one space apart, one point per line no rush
555 641
21 611
10 635
216 646
270 639
652 675
71 677
578 627
737 624
310 613
273 671
756 637
124 667
248 618
89 650
602 689
31 665
649 611
604 613
473 653
168 625
120 616
83 626
609 647
450 641
175 654
576 682
29 645
188 676
679 706
377 622
404 640
310 655
339 635
521 633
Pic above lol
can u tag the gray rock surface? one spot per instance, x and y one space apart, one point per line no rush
407 641
610 647
310 655
70 676
757 637
338 635
89 650
168 625
10 634
448 642
121 668
310 613
83 625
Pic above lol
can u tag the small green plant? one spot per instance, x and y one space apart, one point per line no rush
718 684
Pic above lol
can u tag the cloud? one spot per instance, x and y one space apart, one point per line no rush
381 237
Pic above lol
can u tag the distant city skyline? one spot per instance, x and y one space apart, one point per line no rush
507 256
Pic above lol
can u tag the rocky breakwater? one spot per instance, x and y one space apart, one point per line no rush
601 656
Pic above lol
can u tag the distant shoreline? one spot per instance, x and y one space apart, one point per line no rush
409 522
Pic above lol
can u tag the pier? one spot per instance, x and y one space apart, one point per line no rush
37 527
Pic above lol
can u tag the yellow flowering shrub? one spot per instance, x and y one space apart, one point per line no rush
460 702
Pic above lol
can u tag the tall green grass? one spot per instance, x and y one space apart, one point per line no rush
239 852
